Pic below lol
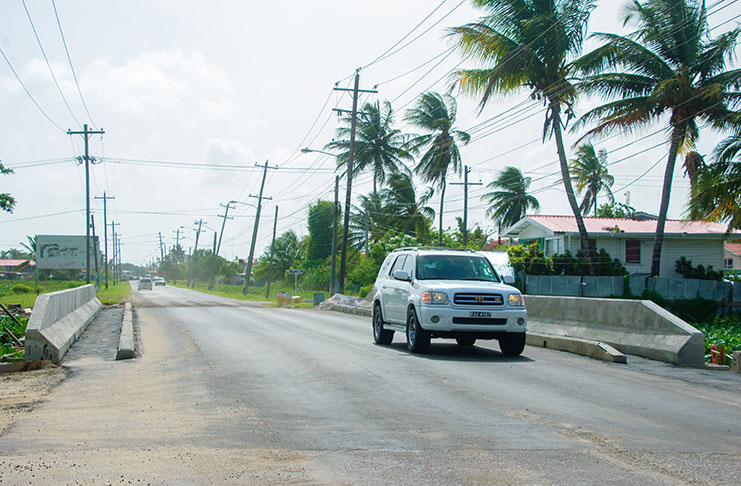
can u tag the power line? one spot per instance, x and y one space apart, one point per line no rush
48 64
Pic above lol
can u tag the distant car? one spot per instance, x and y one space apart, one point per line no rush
159 281
145 284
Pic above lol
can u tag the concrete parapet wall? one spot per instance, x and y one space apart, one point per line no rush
636 327
58 319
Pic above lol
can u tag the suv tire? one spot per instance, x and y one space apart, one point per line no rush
465 341
380 335
418 340
512 344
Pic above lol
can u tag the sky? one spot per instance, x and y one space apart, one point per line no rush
192 95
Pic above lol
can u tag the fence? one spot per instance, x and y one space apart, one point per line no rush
668 288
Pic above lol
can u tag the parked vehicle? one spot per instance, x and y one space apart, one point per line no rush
145 284
442 293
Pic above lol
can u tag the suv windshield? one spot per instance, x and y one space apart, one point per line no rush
455 267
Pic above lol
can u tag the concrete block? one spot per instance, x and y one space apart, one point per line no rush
631 326
58 319
585 347
126 341
736 362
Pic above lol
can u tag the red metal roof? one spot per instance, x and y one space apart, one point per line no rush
14 263
567 224
734 248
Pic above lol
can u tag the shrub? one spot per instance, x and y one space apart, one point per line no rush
365 290
22 289
684 267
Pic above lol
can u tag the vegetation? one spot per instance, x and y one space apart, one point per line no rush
668 65
7 202
530 44
684 268
722 331
531 260
509 200
589 170
615 210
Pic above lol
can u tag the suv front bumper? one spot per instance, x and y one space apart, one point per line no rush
499 320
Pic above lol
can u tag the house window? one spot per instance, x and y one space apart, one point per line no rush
729 263
632 251
592 245
553 246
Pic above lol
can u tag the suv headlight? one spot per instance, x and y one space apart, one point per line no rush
434 298
516 300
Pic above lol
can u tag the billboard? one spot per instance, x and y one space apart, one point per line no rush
63 252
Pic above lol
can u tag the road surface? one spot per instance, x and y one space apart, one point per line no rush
228 392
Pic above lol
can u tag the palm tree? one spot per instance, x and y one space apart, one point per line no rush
367 221
589 170
530 44
668 65
378 146
509 200
435 113
716 192
405 210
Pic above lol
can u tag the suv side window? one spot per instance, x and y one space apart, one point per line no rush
386 267
409 265
398 264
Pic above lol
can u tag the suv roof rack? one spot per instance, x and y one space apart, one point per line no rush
434 248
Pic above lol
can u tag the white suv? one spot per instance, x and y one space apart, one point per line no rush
442 293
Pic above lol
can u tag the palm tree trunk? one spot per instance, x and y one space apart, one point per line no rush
556 110
677 133
442 199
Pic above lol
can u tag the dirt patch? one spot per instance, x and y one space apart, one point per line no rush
21 390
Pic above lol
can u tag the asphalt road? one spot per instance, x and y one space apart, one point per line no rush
228 392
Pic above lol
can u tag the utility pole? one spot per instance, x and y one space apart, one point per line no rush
333 264
465 184
348 192
95 244
272 249
162 251
213 276
221 234
248 266
115 246
193 255
86 159
105 231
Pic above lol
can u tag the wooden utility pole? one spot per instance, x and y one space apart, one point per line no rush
348 191
272 249
95 252
333 264
193 255
115 246
218 246
86 159
248 266
465 184
105 232
213 275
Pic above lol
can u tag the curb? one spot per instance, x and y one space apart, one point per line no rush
126 343
346 309
585 347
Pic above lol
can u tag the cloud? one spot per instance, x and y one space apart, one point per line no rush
227 151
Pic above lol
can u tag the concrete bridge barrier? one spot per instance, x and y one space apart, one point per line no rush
58 319
637 327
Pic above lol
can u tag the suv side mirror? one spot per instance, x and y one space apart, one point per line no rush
509 279
402 275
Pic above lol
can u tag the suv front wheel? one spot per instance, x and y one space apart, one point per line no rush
380 335
512 344
418 340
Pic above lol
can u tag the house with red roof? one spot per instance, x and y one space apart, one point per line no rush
732 259
8 269
631 241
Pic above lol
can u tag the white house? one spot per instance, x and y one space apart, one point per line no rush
631 241
733 256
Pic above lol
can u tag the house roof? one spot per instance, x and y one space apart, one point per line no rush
734 248
607 226
14 263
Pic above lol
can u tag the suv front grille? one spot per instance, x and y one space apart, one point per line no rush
478 299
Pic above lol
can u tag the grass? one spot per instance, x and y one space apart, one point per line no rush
255 294
114 295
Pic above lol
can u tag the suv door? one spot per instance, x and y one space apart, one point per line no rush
403 288
393 307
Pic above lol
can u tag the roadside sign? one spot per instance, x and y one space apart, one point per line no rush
295 271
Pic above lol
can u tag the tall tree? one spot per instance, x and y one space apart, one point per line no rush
406 211
668 65
530 44
367 217
716 192
509 200
319 222
378 146
589 170
435 114
7 202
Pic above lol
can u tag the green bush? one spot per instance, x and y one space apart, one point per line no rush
722 331
365 290
22 289
684 267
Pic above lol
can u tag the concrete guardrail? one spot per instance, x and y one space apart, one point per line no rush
636 327
58 319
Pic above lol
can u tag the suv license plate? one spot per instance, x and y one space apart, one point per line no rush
480 314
